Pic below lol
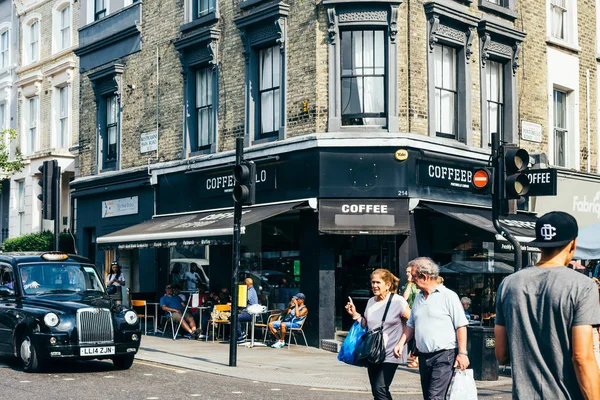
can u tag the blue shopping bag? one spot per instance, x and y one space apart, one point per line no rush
348 349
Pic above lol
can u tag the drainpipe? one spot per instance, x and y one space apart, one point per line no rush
587 111
158 95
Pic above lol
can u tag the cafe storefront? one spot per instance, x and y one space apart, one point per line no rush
327 213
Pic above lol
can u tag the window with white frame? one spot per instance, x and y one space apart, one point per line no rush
21 205
495 96
62 138
363 77
112 129
65 28
445 91
34 41
559 14
204 107
269 74
32 131
2 116
202 8
561 136
4 43
99 9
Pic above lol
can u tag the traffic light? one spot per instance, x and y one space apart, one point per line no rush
514 161
245 183
48 183
482 180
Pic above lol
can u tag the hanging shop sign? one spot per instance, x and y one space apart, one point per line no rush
363 216
542 182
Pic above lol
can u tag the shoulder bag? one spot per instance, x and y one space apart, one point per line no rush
371 349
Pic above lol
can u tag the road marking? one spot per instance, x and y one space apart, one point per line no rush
236 392
25 381
152 398
109 376
357 391
195 395
275 389
68 379
179 371
148 374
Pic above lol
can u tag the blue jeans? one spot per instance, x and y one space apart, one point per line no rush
242 317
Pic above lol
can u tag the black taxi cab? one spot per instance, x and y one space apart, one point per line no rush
54 306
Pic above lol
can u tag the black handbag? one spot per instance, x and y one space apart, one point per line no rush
371 349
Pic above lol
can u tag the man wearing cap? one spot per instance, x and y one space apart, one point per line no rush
544 319
294 314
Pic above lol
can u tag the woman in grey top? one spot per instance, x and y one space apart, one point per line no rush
383 285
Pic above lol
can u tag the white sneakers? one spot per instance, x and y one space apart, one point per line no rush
278 345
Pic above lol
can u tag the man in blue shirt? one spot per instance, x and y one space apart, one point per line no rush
173 306
244 316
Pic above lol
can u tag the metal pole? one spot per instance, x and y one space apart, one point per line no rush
237 222
56 192
498 164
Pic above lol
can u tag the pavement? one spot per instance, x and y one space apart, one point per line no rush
298 365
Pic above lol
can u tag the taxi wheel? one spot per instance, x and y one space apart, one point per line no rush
123 362
29 355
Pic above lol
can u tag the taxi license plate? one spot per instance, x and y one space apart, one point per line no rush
97 351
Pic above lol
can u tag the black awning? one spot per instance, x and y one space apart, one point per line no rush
522 226
364 216
476 267
189 229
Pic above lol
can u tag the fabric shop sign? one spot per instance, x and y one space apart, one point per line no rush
118 207
363 216
449 176
215 183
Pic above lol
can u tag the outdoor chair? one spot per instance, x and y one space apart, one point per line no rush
139 304
274 315
292 334
219 322
168 320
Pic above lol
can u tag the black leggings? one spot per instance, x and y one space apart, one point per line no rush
381 376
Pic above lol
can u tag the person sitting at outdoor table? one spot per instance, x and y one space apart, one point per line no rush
174 307
466 303
293 315
244 315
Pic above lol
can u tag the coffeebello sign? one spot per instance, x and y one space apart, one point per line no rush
219 182
444 175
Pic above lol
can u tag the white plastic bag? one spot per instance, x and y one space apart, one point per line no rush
256 309
463 386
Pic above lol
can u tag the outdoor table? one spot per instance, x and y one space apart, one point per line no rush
252 344
155 316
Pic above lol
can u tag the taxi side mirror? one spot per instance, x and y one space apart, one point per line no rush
5 291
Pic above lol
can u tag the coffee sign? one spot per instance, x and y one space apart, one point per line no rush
444 175
218 182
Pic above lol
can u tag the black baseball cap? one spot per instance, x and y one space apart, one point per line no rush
554 229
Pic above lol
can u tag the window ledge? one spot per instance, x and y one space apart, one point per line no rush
563 44
503 11
250 3
200 152
362 128
326 2
207 19
266 140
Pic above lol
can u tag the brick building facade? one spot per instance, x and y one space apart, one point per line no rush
335 100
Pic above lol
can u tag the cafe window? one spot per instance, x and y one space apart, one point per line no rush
363 68
363 77
445 91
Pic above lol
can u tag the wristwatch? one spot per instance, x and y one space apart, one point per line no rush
464 353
